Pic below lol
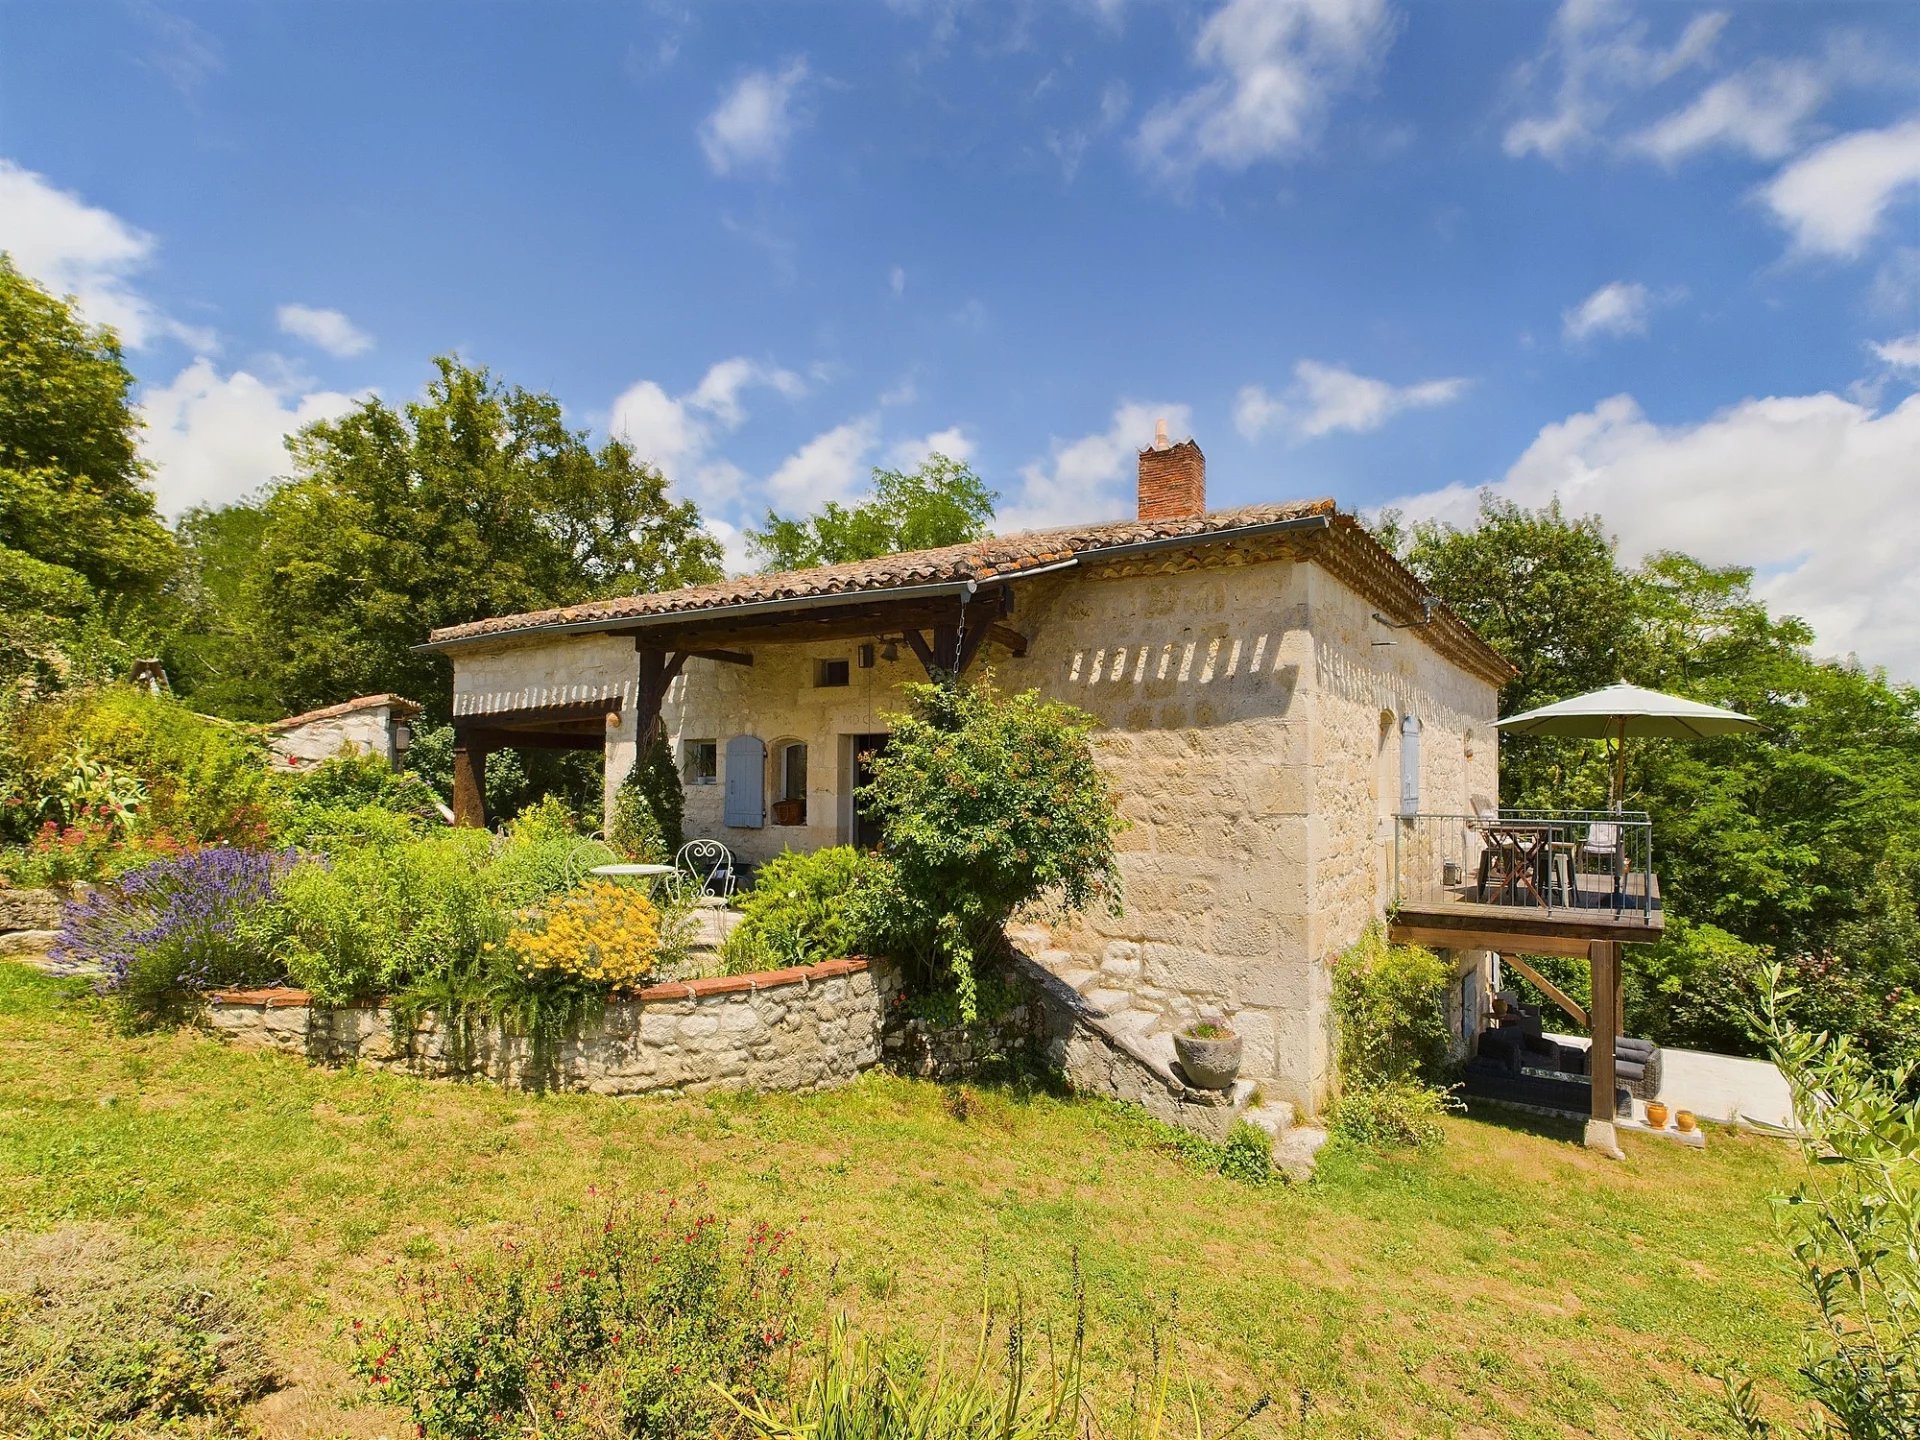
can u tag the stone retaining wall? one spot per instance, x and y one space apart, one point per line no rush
802 1029
29 920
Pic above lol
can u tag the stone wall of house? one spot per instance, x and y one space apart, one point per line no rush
803 1029
778 700
1202 679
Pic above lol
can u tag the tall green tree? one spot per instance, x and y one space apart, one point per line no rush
78 529
939 502
215 654
474 500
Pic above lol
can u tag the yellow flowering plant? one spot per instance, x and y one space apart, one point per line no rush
601 933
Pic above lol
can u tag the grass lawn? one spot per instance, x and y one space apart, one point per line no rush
1510 1285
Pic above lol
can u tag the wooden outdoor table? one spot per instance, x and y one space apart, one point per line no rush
1522 845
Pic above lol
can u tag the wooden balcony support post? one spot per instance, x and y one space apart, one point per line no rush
658 670
1603 956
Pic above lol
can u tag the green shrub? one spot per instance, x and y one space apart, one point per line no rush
1852 1229
101 1336
205 780
649 810
990 804
1391 1004
1391 1114
800 910
369 920
350 799
641 1325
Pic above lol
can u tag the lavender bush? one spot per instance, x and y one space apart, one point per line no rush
163 935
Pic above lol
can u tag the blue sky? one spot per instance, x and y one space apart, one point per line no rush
1663 261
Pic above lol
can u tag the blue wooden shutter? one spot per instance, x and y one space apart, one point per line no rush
1410 765
746 782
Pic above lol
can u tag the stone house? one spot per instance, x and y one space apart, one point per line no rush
1272 688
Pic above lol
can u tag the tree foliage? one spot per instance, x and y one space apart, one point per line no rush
1852 1228
474 500
80 542
940 502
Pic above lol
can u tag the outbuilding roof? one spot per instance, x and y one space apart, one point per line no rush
398 703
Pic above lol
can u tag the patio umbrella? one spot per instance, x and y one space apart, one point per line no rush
1621 712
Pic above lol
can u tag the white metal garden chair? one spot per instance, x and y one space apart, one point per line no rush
707 865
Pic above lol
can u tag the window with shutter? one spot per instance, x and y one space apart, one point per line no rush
746 777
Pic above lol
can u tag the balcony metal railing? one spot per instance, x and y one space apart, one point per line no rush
1557 861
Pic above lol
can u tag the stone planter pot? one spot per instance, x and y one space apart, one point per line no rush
1211 1062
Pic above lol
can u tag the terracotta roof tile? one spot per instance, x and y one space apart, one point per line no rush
400 703
978 560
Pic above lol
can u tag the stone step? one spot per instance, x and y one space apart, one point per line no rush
1294 1152
1273 1116
1105 1000
1056 960
1079 979
1133 1022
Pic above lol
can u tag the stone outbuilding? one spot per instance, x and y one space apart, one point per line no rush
1273 690
369 725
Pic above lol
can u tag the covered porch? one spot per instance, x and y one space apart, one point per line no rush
793 653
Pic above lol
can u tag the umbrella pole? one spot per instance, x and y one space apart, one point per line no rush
1620 765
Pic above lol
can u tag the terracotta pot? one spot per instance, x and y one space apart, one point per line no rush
1211 1062
1656 1115
789 812
1684 1122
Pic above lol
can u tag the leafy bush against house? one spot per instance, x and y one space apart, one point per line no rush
100 1336
641 1325
990 803
1390 1002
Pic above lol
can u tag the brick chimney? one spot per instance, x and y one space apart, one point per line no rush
1173 478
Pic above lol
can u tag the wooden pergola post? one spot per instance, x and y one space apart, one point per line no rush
469 780
1603 957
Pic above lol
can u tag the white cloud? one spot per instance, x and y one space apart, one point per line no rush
332 331
1275 67
1327 398
1597 52
1814 491
754 121
1070 146
1761 110
1619 308
214 438
78 249
677 433
1901 354
897 281
952 442
1090 478
736 558
827 467
1832 198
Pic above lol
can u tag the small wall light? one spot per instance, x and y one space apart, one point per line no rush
402 738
